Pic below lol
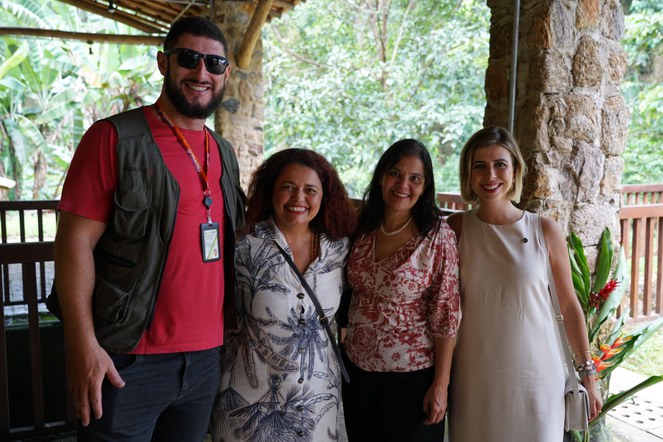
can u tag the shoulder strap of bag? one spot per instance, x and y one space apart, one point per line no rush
323 319
560 324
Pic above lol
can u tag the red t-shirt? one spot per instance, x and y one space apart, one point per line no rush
189 309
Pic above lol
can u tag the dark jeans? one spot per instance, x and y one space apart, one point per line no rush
388 406
167 397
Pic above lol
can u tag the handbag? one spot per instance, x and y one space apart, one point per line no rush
576 399
318 308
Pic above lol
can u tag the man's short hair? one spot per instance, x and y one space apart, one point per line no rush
199 26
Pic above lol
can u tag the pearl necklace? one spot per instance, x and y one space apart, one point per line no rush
395 232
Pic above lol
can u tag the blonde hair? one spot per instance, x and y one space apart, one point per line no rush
484 138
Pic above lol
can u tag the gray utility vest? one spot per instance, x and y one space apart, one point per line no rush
131 254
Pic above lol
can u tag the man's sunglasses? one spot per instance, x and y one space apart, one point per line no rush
189 59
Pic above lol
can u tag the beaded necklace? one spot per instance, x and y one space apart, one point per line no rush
397 231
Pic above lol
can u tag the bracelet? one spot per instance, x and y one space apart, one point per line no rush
587 352
590 372
586 368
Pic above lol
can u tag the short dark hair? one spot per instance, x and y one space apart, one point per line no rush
336 217
199 26
425 211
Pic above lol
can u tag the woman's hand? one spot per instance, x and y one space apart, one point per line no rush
435 404
595 401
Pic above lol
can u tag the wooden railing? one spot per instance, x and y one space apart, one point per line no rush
641 194
28 257
33 399
641 224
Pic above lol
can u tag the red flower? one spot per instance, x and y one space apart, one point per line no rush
597 299
602 362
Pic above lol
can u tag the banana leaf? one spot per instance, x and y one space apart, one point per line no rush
616 399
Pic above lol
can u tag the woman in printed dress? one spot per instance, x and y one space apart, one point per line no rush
404 308
280 377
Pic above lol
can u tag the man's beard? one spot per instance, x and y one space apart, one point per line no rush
189 110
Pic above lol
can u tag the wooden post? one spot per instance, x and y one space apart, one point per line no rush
253 33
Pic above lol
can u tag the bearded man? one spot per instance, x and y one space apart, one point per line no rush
144 253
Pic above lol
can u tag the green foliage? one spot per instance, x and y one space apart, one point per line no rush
610 341
338 86
643 162
345 78
643 42
52 90
648 360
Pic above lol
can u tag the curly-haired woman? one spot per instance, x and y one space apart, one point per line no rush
280 377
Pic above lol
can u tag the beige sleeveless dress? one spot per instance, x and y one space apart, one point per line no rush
507 380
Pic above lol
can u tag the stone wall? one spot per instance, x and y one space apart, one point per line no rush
240 118
570 119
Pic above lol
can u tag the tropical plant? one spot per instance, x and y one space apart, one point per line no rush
51 90
600 295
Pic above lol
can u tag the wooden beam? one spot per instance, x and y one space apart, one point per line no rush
26 252
85 36
243 58
150 26
642 211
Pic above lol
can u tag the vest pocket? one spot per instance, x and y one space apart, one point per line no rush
111 302
132 202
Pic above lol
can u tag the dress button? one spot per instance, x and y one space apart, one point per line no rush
300 408
300 295
300 433
300 380
302 321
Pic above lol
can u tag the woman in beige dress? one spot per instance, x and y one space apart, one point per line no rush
508 372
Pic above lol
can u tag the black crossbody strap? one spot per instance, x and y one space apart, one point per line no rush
323 319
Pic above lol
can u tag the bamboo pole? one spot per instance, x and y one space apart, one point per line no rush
243 58
85 36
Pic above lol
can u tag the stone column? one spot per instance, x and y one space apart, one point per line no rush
570 119
240 118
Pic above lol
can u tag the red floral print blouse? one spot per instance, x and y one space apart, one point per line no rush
402 303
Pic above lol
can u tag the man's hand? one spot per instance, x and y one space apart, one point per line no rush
87 368
87 362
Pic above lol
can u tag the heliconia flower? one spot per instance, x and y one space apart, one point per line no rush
609 351
621 340
600 365
597 299
614 349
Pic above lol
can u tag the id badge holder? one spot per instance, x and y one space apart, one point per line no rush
209 240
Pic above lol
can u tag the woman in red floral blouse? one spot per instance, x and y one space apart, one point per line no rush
404 308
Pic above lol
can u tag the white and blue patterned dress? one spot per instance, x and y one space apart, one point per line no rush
280 379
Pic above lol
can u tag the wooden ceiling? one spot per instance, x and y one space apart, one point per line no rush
155 16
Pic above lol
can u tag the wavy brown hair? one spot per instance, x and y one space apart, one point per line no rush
336 217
